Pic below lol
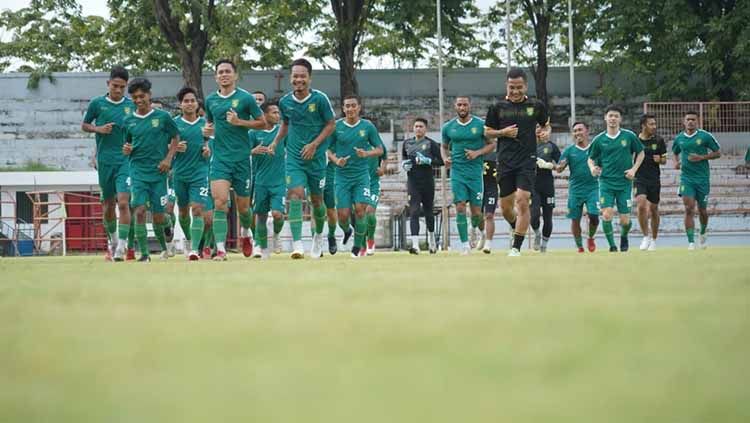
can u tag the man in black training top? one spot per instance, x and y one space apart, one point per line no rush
513 122
647 184
420 155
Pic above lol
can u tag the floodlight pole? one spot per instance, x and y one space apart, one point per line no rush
572 68
443 172
507 32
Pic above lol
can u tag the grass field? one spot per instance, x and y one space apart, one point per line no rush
662 337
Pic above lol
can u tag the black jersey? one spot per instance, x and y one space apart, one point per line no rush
517 152
649 172
426 147
548 152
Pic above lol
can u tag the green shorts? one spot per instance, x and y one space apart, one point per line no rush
152 194
191 192
471 191
329 196
576 202
352 192
698 191
312 176
237 173
622 198
374 192
269 198
171 196
113 179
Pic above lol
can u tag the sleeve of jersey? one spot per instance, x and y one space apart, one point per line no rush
437 158
445 139
375 140
662 147
91 112
326 110
713 144
594 150
542 118
556 154
491 119
564 155
253 108
403 151
284 117
676 146
170 127
635 145
332 142
251 139
207 109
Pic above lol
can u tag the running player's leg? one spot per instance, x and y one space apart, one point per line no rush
536 217
140 231
181 190
428 205
642 205
344 203
654 197
607 202
371 216
241 185
689 203
316 180
220 194
547 210
701 200
524 181
360 229
415 203
106 176
575 212
624 203
592 212
158 197
460 197
329 199
489 204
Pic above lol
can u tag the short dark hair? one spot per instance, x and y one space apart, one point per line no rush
185 91
421 119
302 62
261 93
580 122
267 105
352 96
645 117
141 84
690 112
119 72
464 96
221 61
614 108
514 73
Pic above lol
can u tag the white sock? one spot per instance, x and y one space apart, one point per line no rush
431 237
243 232
220 247
122 244
465 245
415 241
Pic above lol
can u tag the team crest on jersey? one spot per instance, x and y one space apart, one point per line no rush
362 133
530 111
155 123
698 141
546 150
624 143
653 146
474 131
311 107
235 102
126 110
424 146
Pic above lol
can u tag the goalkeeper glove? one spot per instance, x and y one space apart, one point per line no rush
423 160
543 164
407 165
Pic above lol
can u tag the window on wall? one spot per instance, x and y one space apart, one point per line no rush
25 207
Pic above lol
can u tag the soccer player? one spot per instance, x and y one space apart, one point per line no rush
260 100
611 159
489 202
307 122
463 149
378 167
513 122
583 187
543 198
329 199
420 155
353 143
269 184
190 173
647 184
104 117
230 112
151 138
693 148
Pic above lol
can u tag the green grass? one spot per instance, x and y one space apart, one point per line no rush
662 337
29 166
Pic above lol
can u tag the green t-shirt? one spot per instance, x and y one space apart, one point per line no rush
150 136
698 143
270 170
462 136
231 141
374 163
191 164
581 181
345 138
306 119
615 156
101 111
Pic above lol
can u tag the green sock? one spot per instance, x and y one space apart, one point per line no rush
372 224
123 231
111 227
261 234
220 226
475 221
186 227
608 232
592 231
461 224
131 232
160 236
196 230
252 219
140 233
359 233
295 219
624 229
171 220
345 225
246 219
210 241
278 225
690 234
579 242
331 229
319 214
704 228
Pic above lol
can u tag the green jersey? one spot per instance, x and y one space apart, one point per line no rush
102 111
459 137
270 169
190 164
581 182
698 143
374 163
346 138
615 156
231 141
150 135
306 119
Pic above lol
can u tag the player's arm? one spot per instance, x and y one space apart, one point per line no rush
630 173
676 150
715 152
561 166
88 126
308 151
283 131
258 120
489 145
437 157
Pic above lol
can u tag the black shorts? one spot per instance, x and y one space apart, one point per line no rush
511 179
489 199
652 190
